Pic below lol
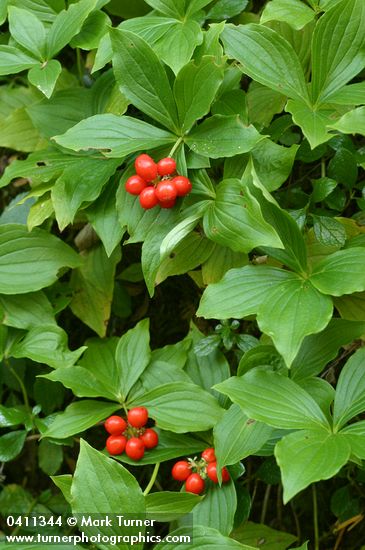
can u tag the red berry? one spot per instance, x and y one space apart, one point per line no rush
149 438
146 167
209 455
182 185
115 425
181 470
166 166
167 204
166 191
138 417
115 444
212 473
148 198
135 184
195 484
134 448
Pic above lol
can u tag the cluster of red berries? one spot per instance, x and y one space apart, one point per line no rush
194 472
154 184
130 436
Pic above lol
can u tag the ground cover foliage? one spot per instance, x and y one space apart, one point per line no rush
236 317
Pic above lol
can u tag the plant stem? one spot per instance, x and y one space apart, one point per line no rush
20 382
152 480
315 518
265 504
79 64
323 168
176 146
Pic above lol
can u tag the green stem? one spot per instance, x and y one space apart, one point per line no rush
323 168
265 504
315 518
20 382
176 146
152 480
79 64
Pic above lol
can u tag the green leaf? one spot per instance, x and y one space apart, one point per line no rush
352 122
28 31
78 417
93 286
217 509
154 373
27 310
93 29
11 416
114 136
288 307
50 457
132 356
178 233
350 390
142 78
263 103
170 445
294 12
343 167
312 122
47 344
352 94
176 46
236 436
355 435
13 60
337 48
59 113
64 482
102 486
103 217
317 350
341 272
168 506
81 180
222 136
225 9
322 187
177 8
202 538
295 253
18 132
219 262
329 231
267 58
282 403
181 407
172 8
207 370
11 445
45 76
250 533
38 254
308 456
81 381
195 88
234 219
232 102
192 251
273 163
67 24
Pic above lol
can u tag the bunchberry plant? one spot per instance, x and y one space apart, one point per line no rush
182 269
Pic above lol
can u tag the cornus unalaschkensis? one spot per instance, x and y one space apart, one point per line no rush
157 183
